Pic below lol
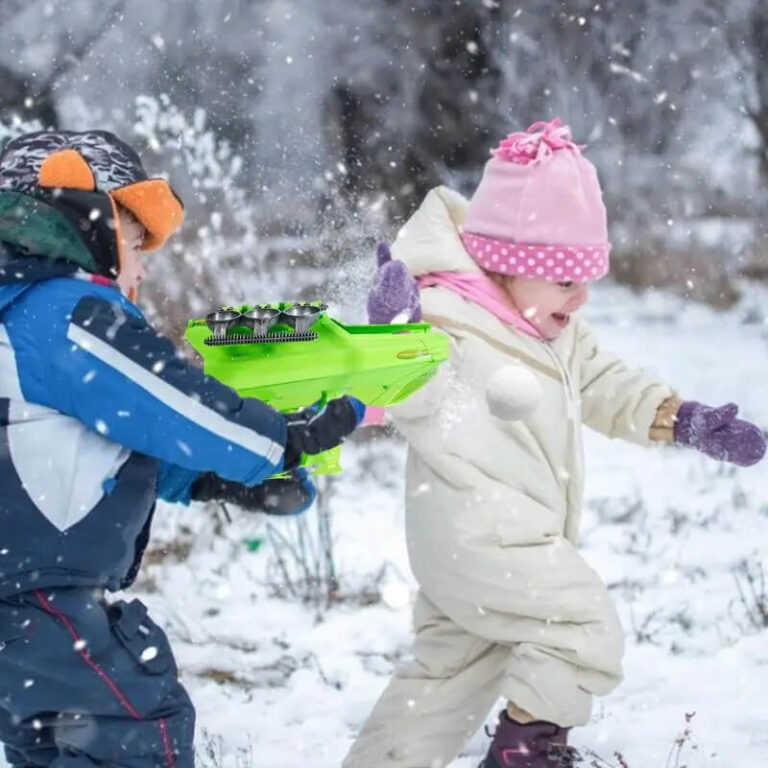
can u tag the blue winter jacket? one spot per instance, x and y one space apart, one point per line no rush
99 417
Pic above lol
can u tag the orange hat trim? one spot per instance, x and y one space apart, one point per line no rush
156 207
68 169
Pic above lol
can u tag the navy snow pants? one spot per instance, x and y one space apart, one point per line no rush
86 684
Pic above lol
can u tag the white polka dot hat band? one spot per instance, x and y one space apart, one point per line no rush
553 263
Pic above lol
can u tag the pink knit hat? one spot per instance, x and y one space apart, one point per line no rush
538 211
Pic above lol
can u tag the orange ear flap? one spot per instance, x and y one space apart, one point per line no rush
155 205
68 169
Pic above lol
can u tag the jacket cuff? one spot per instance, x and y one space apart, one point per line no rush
663 427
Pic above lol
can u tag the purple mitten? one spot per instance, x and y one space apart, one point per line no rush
394 293
718 433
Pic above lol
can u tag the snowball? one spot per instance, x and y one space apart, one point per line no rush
513 393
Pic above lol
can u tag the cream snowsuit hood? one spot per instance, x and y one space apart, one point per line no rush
492 518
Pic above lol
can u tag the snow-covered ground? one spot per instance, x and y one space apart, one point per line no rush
278 683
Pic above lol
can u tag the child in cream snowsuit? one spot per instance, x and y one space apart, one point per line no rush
507 606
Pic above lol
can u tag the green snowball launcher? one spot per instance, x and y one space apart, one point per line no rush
292 364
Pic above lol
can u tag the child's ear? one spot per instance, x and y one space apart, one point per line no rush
117 228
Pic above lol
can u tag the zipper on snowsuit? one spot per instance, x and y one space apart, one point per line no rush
571 399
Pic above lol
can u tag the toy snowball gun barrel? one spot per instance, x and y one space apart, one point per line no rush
293 355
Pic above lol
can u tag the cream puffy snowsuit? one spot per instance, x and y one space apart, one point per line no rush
507 606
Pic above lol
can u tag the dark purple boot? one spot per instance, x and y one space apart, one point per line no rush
534 745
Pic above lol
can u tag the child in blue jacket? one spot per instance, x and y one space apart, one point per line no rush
100 417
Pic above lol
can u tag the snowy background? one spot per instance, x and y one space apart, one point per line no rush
301 132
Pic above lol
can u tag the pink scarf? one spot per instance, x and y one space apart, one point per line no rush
483 291
478 288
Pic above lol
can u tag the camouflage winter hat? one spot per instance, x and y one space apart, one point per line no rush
112 162
95 162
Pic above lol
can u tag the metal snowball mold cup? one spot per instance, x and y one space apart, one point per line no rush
221 321
301 317
261 319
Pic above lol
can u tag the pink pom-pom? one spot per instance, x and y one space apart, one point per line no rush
537 144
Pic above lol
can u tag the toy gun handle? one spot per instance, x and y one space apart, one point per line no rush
328 462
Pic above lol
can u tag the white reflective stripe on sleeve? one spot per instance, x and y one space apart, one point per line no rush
187 406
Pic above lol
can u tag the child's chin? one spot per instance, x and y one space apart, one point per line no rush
551 331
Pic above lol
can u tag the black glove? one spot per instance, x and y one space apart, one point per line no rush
276 496
313 431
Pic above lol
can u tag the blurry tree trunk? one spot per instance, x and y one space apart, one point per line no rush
758 35
444 109
29 99
17 101
744 27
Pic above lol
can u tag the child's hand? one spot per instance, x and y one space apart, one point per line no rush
719 434
394 293
287 496
313 431
277 496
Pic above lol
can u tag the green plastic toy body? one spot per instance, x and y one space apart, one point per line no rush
379 364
